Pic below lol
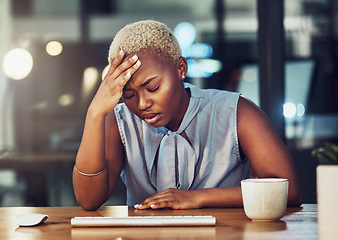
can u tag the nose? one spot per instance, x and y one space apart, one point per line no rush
144 102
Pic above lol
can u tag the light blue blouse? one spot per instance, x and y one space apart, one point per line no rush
210 159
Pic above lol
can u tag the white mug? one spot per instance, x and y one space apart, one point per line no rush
265 199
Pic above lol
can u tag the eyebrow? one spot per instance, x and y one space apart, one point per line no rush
148 81
143 84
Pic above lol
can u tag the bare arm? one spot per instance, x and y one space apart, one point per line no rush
267 154
101 148
94 156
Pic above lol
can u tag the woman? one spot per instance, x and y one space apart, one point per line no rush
173 144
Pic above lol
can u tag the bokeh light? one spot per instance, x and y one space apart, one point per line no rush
105 71
89 81
210 65
250 75
289 110
185 33
66 99
54 48
300 110
90 77
17 64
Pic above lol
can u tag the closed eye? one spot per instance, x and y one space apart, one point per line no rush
128 96
154 89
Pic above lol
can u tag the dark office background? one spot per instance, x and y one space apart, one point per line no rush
42 115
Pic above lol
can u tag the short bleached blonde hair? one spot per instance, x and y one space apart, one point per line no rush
146 36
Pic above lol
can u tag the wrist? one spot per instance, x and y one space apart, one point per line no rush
94 113
201 197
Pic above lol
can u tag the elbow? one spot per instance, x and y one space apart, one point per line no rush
295 203
89 206
295 199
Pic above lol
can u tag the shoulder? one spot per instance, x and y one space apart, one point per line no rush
255 131
214 97
215 94
209 93
248 113
222 103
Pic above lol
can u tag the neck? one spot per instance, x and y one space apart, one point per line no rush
185 99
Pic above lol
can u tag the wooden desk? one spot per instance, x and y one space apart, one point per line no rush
231 224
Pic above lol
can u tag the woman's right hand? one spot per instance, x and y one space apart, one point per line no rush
111 88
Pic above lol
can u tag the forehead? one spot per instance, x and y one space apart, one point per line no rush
151 65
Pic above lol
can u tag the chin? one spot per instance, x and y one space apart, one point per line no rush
156 125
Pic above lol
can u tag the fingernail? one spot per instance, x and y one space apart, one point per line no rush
134 57
136 206
138 62
152 206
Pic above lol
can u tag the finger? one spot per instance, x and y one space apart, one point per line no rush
150 199
146 203
115 63
134 68
123 81
141 206
162 204
124 66
124 78
166 194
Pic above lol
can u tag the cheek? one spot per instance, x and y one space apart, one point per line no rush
167 96
169 99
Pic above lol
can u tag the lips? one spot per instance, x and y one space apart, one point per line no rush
151 118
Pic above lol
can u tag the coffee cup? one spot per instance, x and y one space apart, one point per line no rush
265 199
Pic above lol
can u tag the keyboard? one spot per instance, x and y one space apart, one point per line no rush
142 221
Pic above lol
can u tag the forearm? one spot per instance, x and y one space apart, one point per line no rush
189 199
91 191
220 197
91 154
295 196
232 197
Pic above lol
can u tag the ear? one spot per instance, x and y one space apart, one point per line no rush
182 68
